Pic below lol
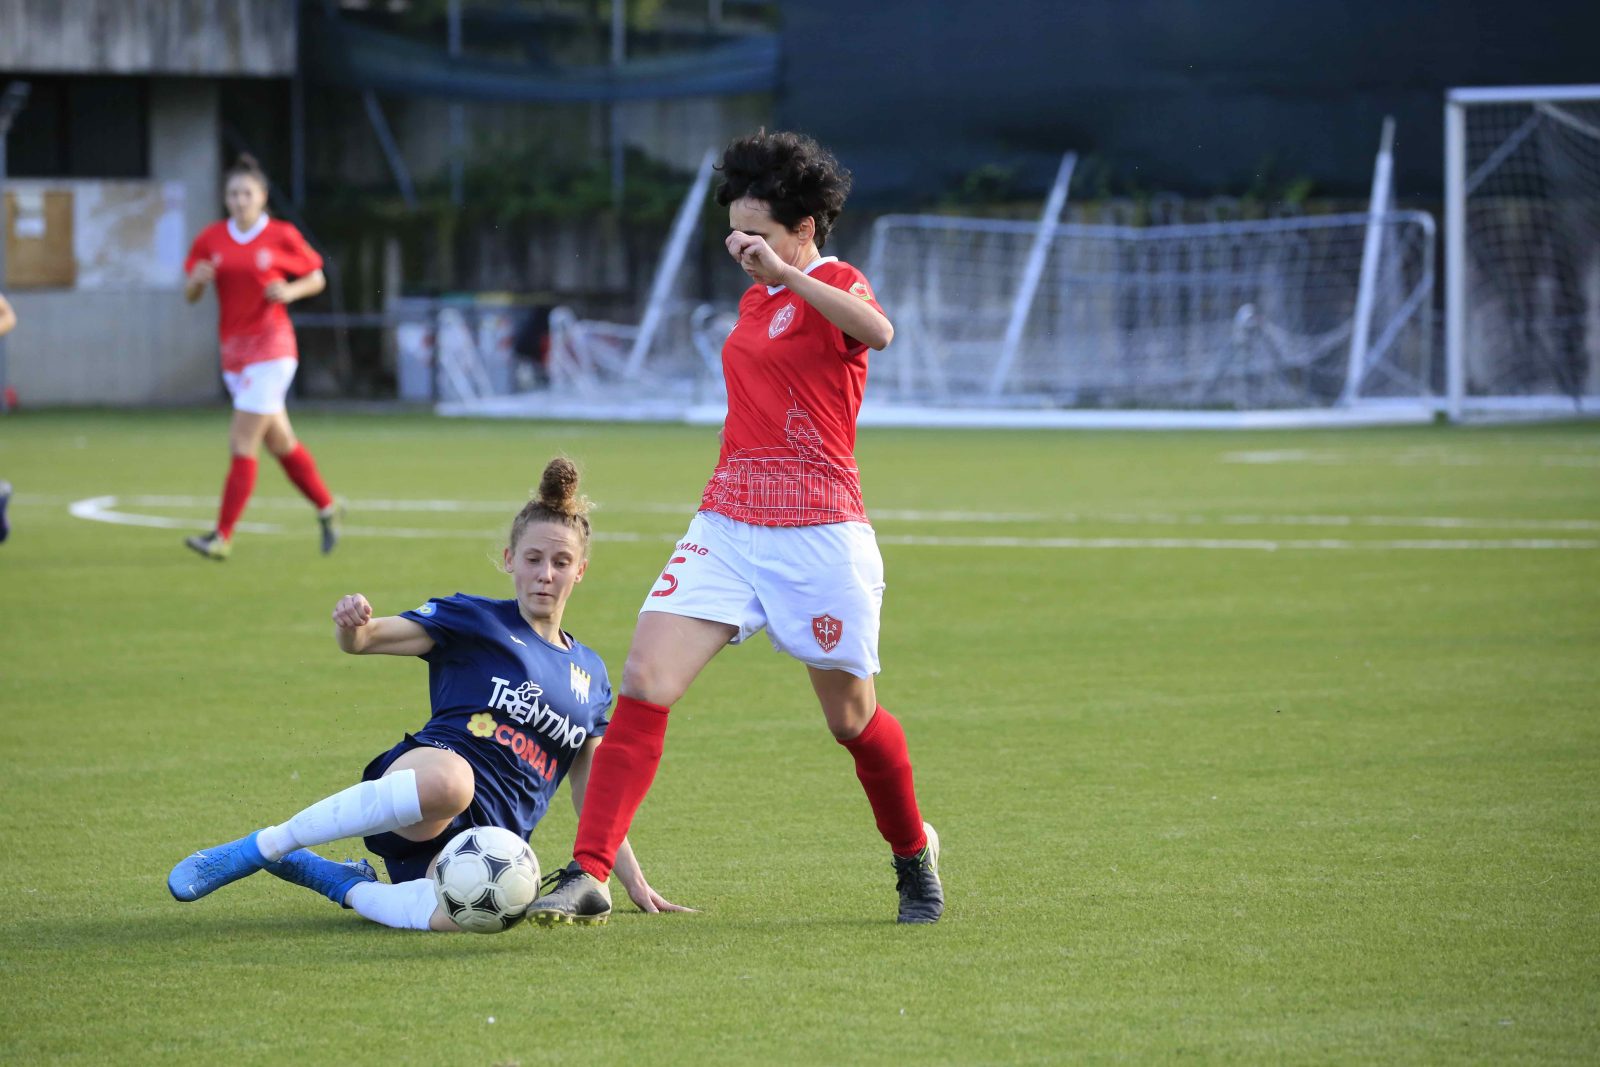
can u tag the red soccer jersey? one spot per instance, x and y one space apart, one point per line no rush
251 328
794 387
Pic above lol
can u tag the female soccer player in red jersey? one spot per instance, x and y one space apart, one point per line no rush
781 539
258 265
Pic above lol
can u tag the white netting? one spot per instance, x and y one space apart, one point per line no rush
1236 316
1531 251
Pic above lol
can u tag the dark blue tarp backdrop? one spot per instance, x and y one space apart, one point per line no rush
1178 95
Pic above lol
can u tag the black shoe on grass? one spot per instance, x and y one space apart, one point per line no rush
917 879
330 519
212 545
572 895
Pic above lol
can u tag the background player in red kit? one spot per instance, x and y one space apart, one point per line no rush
781 540
259 265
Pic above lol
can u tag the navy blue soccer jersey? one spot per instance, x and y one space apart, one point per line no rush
510 703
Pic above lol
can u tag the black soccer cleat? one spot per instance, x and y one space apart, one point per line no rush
330 519
917 879
212 545
572 895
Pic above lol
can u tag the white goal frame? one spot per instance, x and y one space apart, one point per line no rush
1544 102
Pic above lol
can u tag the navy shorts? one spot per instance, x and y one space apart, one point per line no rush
405 859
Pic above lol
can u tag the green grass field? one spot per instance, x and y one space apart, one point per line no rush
1240 753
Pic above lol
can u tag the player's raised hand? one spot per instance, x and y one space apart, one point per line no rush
352 612
756 258
204 273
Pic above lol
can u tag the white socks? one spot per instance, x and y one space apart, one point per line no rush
364 809
407 906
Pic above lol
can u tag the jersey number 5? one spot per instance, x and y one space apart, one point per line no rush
668 577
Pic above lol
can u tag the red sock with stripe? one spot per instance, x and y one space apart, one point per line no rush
236 493
883 763
302 471
624 766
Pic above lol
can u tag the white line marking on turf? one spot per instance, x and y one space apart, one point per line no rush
107 509
1110 518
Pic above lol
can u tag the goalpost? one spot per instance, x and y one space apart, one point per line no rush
1522 250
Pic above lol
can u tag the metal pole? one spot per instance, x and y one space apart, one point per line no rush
1049 219
12 101
1455 259
297 124
671 261
619 46
458 117
1371 251
391 150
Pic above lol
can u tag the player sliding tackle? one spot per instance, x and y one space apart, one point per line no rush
518 706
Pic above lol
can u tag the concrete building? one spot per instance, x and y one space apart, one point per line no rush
114 165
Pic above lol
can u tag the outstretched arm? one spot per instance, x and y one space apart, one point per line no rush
359 634
8 318
627 868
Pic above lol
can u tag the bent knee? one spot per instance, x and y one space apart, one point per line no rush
847 725
445 789
650 679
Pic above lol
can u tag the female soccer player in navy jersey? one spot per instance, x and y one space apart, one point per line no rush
781 539
259 266
518 705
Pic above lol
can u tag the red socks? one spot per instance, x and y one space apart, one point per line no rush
302 471
236 493
624 766
883 763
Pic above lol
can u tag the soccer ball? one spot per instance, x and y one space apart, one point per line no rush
485 879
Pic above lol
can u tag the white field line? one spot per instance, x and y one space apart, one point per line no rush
1109 518
108 509
1411 457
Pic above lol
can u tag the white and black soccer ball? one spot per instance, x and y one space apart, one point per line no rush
485 879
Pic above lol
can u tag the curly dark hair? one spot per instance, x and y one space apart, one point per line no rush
796 176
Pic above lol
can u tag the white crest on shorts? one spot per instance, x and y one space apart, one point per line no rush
781 320
580 683
263 259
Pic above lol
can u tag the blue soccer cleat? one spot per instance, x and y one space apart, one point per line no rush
332 880
212 868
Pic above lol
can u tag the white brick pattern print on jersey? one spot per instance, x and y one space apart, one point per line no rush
798 485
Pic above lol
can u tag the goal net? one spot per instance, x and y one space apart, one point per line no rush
1221 317
1522 247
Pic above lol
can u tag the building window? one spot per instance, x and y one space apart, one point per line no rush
82 128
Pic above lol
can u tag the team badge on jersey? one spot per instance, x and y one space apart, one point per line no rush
827 630
860 289
580 683
781 320
263 259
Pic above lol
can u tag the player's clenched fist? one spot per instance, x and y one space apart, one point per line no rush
352 612
203 273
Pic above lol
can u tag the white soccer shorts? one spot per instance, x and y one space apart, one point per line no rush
261 388
817 590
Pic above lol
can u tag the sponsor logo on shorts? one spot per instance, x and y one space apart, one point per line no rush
780 321
580 683
427 609
827 630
